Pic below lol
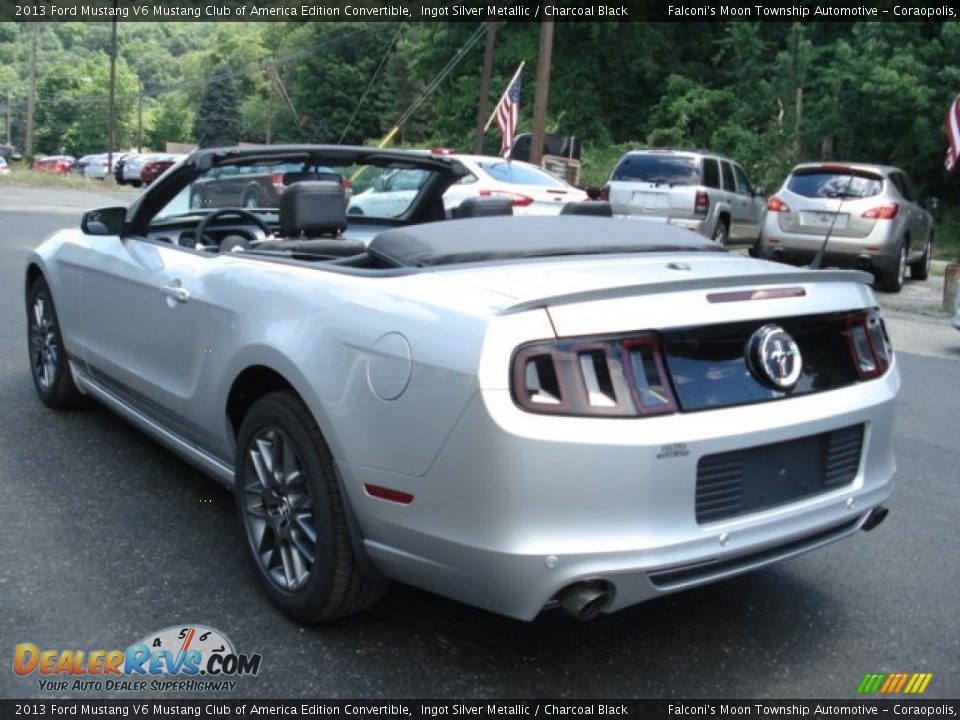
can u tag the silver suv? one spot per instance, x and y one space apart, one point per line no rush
695 189
870 212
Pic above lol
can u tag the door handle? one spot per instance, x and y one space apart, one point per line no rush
176 291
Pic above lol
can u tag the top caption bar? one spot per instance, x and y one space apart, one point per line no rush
465 11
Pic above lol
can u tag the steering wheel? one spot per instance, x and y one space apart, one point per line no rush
239 212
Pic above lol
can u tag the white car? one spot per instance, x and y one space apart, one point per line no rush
132 166
98 166
4 168
531 189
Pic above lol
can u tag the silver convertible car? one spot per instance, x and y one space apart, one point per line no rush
516 412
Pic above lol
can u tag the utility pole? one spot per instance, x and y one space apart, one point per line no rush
111 120
269 108
543 88
31 90
9 115
485 87
140 120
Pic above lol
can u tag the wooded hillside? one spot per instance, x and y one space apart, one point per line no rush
768 94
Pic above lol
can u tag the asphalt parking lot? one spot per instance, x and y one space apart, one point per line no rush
106 537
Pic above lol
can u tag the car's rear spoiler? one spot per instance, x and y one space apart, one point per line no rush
704 283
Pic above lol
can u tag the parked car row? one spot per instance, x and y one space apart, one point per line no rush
142 168
849 215
128 168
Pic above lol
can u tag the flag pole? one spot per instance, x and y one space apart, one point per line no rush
497 106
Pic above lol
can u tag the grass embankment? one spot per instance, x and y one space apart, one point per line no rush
22 177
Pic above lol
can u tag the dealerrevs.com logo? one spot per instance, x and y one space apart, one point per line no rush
180 658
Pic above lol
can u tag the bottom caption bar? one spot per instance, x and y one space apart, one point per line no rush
227 709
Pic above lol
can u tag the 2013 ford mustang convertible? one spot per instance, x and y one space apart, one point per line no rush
516 412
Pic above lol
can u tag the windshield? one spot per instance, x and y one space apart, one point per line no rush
386 192
518 174
658 169
369 191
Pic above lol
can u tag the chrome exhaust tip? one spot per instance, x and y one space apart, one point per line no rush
585 600
874 518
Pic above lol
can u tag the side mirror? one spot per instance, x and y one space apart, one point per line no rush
105 221
379 185
759 191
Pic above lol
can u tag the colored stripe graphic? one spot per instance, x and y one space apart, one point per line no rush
894 683
870 683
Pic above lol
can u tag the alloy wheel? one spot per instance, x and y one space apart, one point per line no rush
44 343
279 515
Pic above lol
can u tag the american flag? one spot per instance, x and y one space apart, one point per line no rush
507 111
953 135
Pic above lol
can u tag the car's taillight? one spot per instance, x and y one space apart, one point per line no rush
621 377
604 193
869 344
516 199
701 203
775 204
883 212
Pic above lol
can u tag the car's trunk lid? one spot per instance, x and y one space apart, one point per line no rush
622 294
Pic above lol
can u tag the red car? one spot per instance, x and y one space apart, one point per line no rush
61 164
154 167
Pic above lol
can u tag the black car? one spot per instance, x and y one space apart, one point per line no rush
256 185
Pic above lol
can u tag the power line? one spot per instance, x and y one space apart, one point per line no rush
439 78
373 79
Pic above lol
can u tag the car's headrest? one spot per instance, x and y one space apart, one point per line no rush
588 207
312 208
484 207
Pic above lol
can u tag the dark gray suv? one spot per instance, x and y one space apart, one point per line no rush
696 189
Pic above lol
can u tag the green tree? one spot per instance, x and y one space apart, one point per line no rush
218 119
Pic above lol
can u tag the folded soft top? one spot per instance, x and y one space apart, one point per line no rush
511 238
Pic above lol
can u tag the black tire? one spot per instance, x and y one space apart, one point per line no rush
721 233
892 281
278 514
920 270
49 366
136 183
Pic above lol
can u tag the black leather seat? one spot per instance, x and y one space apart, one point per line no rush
313 208
589 207
312 217
483 207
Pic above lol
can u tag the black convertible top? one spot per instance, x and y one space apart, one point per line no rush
510 238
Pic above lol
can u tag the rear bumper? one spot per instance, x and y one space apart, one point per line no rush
703 226
517 507
877 251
